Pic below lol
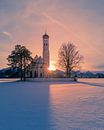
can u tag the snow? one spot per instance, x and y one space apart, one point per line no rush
52 105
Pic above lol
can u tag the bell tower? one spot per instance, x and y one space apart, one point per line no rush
46 55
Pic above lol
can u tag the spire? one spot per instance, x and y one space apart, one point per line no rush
45 35
45 31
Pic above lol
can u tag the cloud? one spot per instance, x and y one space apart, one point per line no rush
99 67
79 21
53 20
8 34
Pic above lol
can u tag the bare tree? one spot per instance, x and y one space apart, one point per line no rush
69 58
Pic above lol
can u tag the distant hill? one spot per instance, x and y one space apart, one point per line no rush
98 72
91 74
87 74
9 73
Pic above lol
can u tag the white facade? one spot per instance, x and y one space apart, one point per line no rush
39 65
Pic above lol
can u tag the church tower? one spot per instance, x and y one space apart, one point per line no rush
46 55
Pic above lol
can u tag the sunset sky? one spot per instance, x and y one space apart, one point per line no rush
79 21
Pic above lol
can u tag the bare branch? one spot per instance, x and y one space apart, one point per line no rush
69 57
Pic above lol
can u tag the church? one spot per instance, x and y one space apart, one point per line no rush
39 66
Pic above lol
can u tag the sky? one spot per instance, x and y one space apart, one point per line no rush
78 21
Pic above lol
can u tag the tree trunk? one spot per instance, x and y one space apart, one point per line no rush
24 71
21 68
21 75
24 77
67 73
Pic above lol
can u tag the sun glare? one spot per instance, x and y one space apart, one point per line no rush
52 68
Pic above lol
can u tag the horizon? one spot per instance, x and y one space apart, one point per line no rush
80 22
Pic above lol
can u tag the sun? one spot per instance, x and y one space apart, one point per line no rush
52 68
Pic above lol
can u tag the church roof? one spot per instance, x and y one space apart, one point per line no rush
45 35
38 60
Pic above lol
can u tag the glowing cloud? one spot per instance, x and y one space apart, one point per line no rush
8 34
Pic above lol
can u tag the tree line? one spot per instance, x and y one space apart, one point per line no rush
69 59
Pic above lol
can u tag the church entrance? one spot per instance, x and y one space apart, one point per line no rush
35 74
41 75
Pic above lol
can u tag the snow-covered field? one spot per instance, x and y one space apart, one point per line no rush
52 105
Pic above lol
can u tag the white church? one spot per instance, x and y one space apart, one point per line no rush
39 66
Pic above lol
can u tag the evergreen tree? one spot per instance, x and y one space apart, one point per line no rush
20 58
